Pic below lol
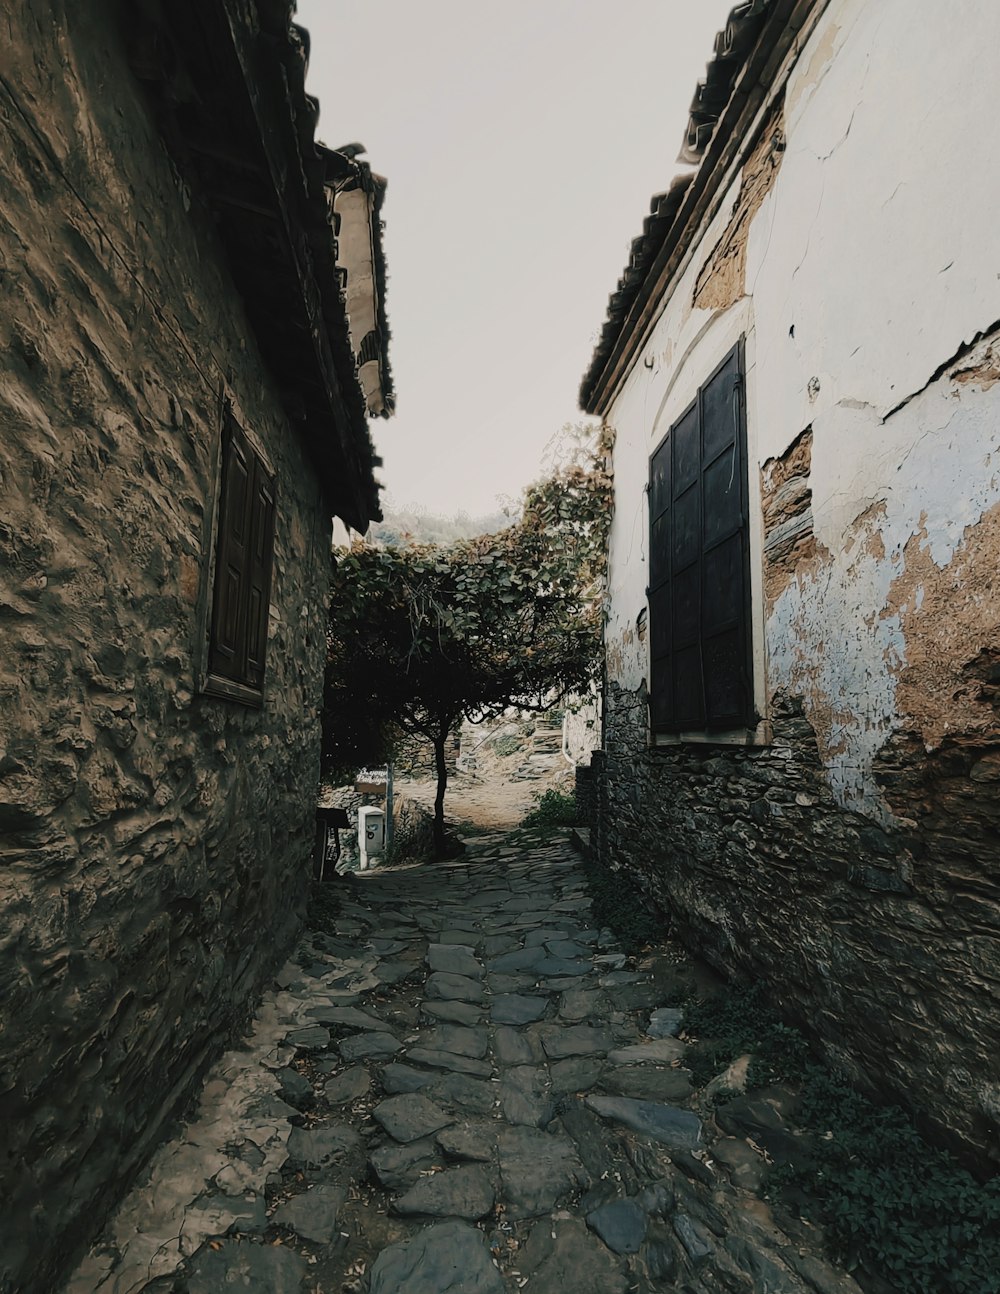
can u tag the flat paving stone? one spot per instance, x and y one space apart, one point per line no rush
312 1037
539 1171
437 1058
563 1257
544 935
575 1040
313 1214
404 1078
565 948
459 1039
621 1224
348 1017
464 1192
648 1083
295 1089
448 987
665 1022
467 938
250 1268
517 1008
524 1096
673 1127
494 945
450 1258
311 1148
372 1046
457 1012
469 1140
454 959
410 1116
577 1004
501 984
522 959
661 1051
398 1167
394 972
351 1085
463 1092
576 1074
511 1047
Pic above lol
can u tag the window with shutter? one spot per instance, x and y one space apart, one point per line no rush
701 676
242 571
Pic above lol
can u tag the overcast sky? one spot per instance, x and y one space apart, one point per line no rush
522 143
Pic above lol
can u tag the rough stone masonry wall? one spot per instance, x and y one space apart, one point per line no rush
153 841
881 944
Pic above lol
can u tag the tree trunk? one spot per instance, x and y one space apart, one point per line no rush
440 763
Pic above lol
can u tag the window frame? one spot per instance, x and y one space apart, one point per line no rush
244 681
753 729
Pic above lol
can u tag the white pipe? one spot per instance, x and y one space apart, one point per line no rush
565 733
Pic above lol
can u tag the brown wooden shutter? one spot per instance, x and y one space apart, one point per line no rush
701 677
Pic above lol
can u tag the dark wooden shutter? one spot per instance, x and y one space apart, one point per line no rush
699 563
259 573
226 657
243 563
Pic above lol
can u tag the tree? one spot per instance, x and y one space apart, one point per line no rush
421 635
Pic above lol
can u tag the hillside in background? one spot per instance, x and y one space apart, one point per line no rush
415 526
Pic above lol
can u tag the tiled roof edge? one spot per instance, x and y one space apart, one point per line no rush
733 46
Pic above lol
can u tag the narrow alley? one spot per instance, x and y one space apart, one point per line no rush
467 1088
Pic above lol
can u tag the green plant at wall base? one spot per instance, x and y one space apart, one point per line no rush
509 744
625 911
890 1201
324 904
737 1022
554 809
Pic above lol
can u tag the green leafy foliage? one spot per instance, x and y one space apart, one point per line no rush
554 809
628 914
890 1201
509 744
325 902
421 635
737 1022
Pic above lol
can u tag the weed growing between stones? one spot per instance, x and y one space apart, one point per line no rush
628 913
889 1200
325 900
738 1022
891 1203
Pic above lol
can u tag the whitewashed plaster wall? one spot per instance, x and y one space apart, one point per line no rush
872 264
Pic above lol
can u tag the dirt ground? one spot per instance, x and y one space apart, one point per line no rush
484 799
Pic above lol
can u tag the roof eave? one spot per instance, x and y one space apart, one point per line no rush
731 136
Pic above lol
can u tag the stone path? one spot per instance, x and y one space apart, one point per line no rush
465 1090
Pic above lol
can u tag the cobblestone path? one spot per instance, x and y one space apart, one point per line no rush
463 1090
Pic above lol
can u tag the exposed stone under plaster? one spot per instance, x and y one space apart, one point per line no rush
882 945
722 279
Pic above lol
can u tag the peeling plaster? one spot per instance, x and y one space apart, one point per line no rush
867 315
869 634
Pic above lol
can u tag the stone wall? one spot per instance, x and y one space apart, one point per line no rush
154 840
881 943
